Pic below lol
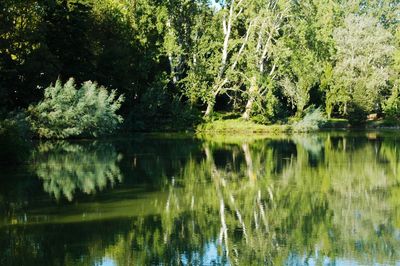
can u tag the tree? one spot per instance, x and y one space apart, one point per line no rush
203 65
305 49
231 12
391 106
361 71
267 18
181 20
22 57
265 59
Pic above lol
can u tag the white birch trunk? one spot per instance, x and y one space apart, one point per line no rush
249 105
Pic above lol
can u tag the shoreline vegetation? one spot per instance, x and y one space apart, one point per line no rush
240 125
92 69
16 134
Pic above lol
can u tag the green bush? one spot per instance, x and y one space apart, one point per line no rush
357 115
312 121
69 112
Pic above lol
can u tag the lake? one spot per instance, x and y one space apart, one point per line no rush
330 198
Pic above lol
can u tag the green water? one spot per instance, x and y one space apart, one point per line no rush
322 199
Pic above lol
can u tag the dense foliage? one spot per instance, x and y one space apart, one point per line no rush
265 59
14 138
68 112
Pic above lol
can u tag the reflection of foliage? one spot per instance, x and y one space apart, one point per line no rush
66 168
298 200
335 195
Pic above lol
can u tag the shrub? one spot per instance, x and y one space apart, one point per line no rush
357 114
312 121
68 112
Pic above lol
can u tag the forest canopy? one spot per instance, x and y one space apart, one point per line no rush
176 61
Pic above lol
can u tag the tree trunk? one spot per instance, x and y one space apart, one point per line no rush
250 101
210 109
173 74
171 57
328 109
247 111
211 104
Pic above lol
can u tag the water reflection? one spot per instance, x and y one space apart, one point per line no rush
66 168
324 199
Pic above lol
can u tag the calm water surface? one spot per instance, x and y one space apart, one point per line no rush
322 199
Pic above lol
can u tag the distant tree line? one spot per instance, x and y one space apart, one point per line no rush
178 60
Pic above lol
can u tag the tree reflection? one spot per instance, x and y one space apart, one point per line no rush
66 168
325 203
329 198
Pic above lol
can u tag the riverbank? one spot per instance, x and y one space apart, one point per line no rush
239 125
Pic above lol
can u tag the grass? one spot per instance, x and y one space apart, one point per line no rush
239 125
224 138
231 123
